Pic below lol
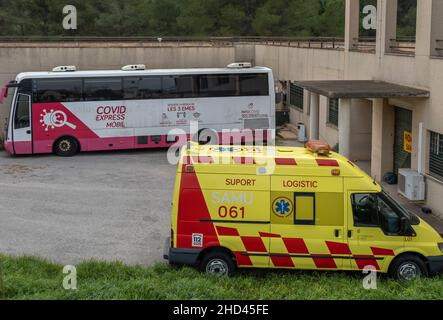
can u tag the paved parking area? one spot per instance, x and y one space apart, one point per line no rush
107 206
111 206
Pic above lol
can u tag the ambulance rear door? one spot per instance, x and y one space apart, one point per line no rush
238 206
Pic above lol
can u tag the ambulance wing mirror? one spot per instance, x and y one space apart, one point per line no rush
405 227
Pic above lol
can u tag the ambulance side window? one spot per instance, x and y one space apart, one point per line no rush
364 207
375 210
304 208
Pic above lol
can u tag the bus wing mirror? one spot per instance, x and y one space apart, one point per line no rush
4 94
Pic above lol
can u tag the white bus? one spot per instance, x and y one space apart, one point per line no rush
66 111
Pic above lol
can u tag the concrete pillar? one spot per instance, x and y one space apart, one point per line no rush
386 25
344 127
424 26
352 23
383 126
429 27
314 117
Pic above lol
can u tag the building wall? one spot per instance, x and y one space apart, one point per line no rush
417 71
361 130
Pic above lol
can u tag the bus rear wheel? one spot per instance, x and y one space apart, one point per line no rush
66 147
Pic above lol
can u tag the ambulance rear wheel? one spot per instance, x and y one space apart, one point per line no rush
218 264
408 268
66 147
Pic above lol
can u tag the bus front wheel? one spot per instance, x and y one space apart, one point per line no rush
66 147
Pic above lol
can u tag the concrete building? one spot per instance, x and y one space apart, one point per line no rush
373 120
378 101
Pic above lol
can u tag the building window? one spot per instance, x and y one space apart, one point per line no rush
296 97
436 155
333 112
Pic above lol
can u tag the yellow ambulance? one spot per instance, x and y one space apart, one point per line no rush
298 208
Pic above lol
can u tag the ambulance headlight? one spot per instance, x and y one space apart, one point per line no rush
440 246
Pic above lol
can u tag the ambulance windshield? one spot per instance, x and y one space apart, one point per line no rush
408 214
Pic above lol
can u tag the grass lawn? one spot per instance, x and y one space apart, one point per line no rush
34 278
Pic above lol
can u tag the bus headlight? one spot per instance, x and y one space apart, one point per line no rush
440 246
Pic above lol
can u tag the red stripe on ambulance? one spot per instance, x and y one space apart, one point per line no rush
269 235
338 248
192 209
254 244
327 162
382 252
283 261
201 159
243 160
285 162
324 262
243 259
296 245
365 261
224 231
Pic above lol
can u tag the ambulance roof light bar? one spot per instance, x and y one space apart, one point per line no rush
65 69
319 147
239 65
134 67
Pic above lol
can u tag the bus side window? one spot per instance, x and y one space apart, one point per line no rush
178 87
150 88
130 88
254 84
59 90
100 89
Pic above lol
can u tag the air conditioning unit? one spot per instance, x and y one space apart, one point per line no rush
134 67
239 65
65 69
411 185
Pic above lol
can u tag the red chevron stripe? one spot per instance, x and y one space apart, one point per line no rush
295 245
338 248
253 244
224 231
269 235
382 252
285 162
242 259
282 261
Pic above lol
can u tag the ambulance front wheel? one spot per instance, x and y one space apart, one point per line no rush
66 147
408 267
218 263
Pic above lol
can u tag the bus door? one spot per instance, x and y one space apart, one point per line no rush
22 127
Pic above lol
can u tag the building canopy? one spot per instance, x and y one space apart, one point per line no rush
361 89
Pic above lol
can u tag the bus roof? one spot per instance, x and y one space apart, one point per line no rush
148 72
